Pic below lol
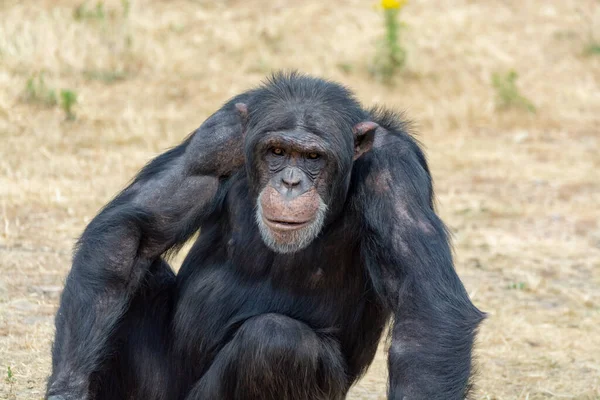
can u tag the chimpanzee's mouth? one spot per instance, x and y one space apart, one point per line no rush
285 225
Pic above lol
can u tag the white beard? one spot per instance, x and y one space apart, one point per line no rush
298 239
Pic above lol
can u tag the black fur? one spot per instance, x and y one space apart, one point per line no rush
242 322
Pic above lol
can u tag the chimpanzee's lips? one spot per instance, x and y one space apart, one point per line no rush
285 225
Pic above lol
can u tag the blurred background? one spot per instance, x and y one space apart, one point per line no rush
504 94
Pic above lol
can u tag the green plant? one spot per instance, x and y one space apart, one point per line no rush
345 67
592 42
508 94
517 286
10 379
82 12
99 12
592 49
37 92
391 56
126 4
68 100
106 76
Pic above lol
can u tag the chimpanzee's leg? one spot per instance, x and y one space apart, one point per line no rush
274 357
140 366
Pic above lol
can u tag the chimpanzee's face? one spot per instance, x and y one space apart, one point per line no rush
300 146
291 207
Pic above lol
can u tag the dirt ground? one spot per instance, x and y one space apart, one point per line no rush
519 190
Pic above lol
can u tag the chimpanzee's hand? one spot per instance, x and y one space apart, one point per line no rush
68 389
67 397
217 146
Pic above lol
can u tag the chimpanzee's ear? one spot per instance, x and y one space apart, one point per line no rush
364 135
243 110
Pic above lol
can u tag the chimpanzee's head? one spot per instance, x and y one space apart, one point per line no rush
302 137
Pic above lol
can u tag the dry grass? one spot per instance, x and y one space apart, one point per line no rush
519 190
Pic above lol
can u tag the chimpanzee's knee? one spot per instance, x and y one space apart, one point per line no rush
272 356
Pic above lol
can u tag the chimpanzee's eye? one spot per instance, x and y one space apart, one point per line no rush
313 156
278 151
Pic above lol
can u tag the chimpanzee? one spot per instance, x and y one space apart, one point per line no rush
317 227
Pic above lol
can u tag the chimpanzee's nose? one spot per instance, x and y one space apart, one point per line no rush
291 178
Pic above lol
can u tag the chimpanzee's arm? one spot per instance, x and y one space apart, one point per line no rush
410 261
165 204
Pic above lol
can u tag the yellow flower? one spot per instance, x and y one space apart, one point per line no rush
390 4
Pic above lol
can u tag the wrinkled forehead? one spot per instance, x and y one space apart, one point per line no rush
317 122
297 139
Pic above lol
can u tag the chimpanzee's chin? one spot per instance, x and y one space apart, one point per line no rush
288 242
289 239
285 248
